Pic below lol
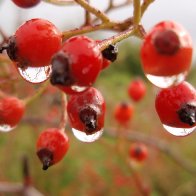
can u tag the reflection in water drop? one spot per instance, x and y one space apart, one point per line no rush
179 131
6 128
165 82
78 88
80 135
35 74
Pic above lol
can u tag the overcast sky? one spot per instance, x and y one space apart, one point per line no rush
69 17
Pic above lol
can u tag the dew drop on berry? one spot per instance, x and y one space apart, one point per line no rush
82 136
166 81
6 128
78 88
179 131
35 74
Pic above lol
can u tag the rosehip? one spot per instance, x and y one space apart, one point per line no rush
11 111
26 3
86 111
52 145
167 51
138 152
34 43
137 89
123 113
78 63
176 106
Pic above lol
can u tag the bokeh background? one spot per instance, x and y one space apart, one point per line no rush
102 167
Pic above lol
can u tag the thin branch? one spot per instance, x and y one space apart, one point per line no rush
145 6
93 10
136 12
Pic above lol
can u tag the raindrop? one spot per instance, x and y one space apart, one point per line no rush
82 136
166 81
6 128
35 74
179 131
78 88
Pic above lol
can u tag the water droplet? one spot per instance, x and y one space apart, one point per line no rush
35 74
82 136
78 88
179 131
6 128
165 82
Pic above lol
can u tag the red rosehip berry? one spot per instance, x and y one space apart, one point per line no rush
26 3
136 89
176 106
78 63
123 113
167 51
11 112
34 43
138 152
86 111
52 145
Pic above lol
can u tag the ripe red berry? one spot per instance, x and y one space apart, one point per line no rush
34 43
136 89
167 50
138 152
11 111
123 113
26 3
86 111
52 145
176 106
78 63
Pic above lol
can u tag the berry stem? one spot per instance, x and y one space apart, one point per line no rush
38 93
117 38
136 12
64 113
60 3
93 10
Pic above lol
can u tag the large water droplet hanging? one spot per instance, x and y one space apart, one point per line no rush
6 128
179 131
35 74
82 136
166 81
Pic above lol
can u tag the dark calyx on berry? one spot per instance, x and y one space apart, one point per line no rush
137 151
61 70
12 49
167 42
89 117
110 53
187 114
46 157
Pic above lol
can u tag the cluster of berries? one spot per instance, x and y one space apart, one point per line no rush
166 56
74 65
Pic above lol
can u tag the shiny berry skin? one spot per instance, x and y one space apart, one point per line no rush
78 63
176 106
11 111
138 152
34 43
86 111
167 50
136 90
26 3
123 113
52 145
